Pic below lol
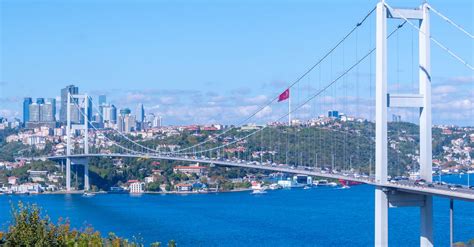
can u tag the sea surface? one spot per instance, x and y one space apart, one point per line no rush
296 217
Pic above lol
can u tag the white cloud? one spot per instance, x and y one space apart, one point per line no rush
445 89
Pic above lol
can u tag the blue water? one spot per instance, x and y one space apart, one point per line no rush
315 217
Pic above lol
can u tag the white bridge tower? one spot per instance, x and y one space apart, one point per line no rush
385 198
81 105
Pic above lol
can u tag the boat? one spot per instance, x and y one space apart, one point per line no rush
256 192
274 186
306 187
345 187
333 184
88 194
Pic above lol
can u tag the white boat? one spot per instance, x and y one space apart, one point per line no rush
256 192
333 184
274 186
88 194
345 187
306 187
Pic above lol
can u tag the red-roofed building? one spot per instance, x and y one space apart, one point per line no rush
196 169
184 187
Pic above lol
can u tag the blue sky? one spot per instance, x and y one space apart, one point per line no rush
216 61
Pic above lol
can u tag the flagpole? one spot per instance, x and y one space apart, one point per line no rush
289 110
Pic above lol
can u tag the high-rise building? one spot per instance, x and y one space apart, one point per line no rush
53 103
46 112
75 114
39 113
26 110
140 113
102 104
102 100
113 114
124 112
89 109
34 112
130 123
156 122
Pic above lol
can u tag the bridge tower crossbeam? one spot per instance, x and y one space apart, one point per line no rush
384 198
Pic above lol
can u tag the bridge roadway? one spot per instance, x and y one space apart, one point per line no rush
403 186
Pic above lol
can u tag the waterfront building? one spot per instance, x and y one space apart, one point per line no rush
182 187
26 109
136 186
27 188
302 179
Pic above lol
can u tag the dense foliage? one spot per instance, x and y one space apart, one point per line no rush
30 228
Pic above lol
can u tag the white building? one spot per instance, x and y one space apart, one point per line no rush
136 187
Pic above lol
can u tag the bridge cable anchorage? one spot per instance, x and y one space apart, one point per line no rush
89 122
319 92
432 38
450 21
290 86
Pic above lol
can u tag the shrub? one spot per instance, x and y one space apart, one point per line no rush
29 228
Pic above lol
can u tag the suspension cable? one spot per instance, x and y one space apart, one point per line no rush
450 21
319 92
90 123
292 84
432 38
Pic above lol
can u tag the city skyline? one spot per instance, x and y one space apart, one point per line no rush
147 67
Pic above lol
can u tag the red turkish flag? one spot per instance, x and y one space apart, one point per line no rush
284 96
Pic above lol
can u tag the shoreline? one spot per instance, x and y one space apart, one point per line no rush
133 194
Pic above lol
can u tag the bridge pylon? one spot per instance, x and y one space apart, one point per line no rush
80 103
385 198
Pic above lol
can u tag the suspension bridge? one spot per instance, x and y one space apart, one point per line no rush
341 87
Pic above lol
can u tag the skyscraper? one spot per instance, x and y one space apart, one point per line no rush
113 114
26 110
34 112
53 103
102 104
63 111
89 109
46 112
140 113
40 101
102 100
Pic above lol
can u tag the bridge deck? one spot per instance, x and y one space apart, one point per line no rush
462 193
